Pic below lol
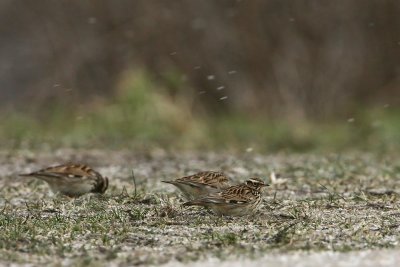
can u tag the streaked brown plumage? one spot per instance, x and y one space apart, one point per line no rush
237 200
72 179
200 184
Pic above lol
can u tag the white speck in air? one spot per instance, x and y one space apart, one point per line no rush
219 88
223 98
350 120
231 72
92 20
211 77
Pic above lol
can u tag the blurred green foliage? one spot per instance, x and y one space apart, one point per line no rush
143 115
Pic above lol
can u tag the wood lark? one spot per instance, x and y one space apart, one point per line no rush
72 180
237 200
200 184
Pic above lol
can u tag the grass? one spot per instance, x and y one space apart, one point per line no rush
336 202
144 115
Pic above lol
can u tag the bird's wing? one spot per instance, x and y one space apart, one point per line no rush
66 170
209 178
233 195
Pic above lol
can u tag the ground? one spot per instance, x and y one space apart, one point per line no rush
318 203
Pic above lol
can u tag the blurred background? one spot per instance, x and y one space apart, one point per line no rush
260 75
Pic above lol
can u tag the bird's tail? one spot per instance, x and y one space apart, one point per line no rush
168 182
193 203
25 174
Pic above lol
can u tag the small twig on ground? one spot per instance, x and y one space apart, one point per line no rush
134 184
332 193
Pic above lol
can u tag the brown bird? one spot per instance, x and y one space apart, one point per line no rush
237 200
72 180
200 184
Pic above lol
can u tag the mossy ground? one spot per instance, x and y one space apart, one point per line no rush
334 202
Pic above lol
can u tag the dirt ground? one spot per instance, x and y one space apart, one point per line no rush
321 208
367 258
